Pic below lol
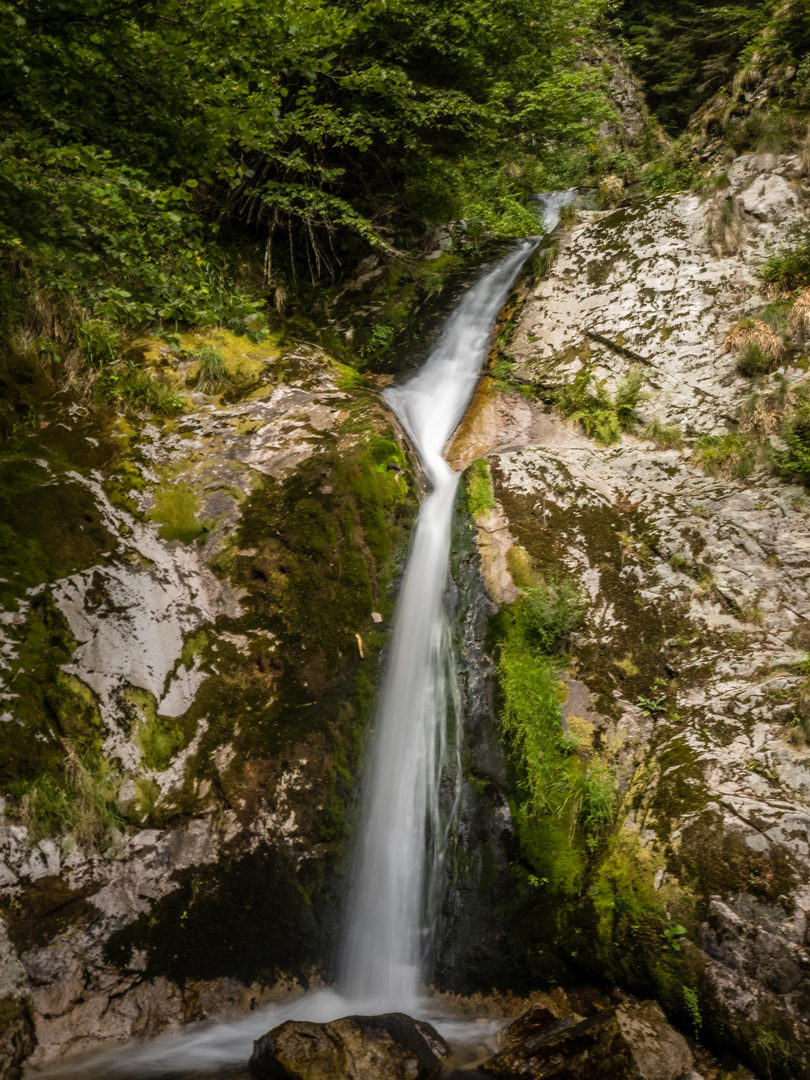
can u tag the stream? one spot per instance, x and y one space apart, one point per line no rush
391 913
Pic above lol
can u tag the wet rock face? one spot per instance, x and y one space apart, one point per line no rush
687 675
387 1047
182 604
17 1038
631 1042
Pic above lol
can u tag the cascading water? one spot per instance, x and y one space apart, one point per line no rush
390 922
390 919
388 926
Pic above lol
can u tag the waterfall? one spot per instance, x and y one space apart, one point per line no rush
389 924
390 918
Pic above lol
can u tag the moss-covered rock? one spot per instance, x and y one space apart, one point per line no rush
189 657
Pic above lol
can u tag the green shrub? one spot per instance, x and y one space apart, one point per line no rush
128 385
664 177
381 340
587 400
788 270
794 463
547 614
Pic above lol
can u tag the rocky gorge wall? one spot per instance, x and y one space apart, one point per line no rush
188 658
191 630
687 678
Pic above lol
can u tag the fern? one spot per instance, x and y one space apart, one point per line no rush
587 401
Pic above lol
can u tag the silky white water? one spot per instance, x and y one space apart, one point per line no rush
389 923
391 910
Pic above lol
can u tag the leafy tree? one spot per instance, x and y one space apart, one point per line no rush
142 142
686 50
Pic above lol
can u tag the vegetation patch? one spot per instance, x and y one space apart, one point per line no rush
732 455
79 805
49 527
754 332
567 791
479 493
588 401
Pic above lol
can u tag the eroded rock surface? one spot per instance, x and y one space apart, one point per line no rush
689 673
643 285
180 625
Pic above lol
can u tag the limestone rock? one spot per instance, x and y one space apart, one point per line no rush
17 1038
387 1047
631 1042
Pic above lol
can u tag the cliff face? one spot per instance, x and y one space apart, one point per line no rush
687 679
189 656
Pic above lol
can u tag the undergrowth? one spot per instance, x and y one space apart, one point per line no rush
789 269
558 781
588 401
80 805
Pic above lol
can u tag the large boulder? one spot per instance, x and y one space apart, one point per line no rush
630 1042
387 1047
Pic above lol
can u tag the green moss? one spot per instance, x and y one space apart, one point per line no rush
144 807
479 494
176 508
323 547
49 528
159 737
46 704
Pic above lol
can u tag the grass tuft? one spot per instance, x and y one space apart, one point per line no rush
212 375
99 342
664 436
754 332
731 455
753 361
80 805
725 225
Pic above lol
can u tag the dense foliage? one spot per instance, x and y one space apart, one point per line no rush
687 50
153 152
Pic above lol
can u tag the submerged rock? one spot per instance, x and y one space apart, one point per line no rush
386 1047
631 1042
